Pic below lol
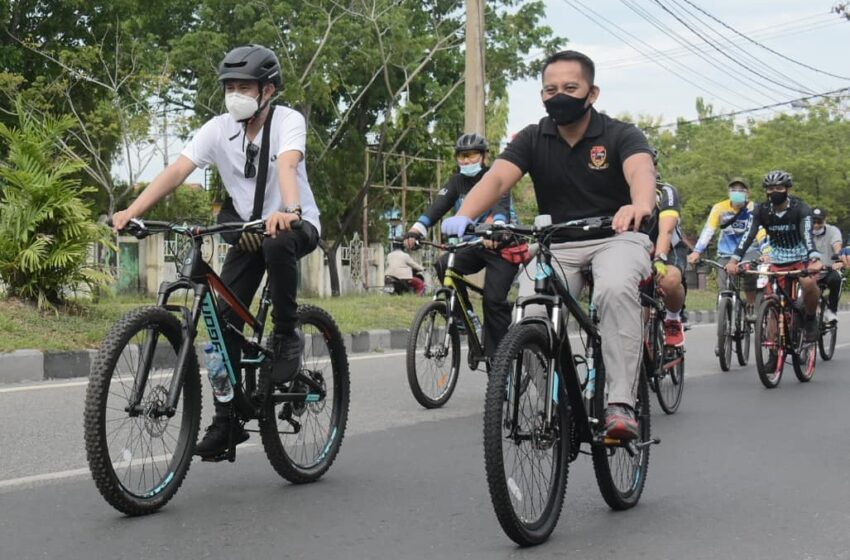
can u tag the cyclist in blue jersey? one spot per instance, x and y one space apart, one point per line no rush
730 217
471 154
788 222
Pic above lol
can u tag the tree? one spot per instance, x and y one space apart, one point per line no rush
45 228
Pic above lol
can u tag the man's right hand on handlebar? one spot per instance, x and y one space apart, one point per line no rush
411 239
121 218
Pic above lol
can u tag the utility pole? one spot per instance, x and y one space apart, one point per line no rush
474 82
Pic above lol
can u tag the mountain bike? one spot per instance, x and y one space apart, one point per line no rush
732 324
544 401
143 401
780 328
827 330
664 365
433 346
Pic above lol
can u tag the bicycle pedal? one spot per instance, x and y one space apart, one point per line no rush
224 456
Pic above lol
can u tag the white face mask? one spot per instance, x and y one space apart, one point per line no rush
819 231
241 107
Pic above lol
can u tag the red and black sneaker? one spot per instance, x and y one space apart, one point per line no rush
620 422
674 335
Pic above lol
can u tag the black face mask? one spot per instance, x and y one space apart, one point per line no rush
565 109
778 198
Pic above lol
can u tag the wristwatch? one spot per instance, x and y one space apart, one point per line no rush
661 257
293 210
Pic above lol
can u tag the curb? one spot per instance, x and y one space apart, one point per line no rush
36 365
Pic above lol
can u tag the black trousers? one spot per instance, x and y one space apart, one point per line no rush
497 284
243 272
832 280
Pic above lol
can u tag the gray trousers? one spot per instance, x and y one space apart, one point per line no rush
619 264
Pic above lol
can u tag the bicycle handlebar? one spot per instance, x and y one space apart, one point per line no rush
140 229
584 224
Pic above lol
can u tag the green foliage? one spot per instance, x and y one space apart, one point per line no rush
187 203
45 228
700 158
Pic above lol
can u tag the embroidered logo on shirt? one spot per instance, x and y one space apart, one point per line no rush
598 157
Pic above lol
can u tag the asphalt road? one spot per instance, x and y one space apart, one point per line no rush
742 472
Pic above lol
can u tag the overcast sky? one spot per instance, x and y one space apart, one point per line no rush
634 81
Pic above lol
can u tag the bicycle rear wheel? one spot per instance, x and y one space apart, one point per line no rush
302 438
621 470
724 332
432 368
526 462
139 461
827 334
742 333
770 354
805 353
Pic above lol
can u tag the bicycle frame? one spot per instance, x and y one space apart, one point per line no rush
198 277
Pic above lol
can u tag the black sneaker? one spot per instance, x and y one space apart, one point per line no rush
288 348
811 326
216 438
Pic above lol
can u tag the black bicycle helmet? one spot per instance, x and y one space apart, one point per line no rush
654 153
250 62
778 178
471 143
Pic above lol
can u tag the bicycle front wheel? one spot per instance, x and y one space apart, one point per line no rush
621 470
138 460
742 333
526 460
770 353
827 335
302 438
724 332
432 365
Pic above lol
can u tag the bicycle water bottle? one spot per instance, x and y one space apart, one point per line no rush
476 323
222 389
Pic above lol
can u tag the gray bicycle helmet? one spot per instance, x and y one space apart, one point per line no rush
471 143
250 62
654 153
779 178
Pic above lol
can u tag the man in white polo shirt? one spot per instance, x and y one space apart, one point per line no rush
250 76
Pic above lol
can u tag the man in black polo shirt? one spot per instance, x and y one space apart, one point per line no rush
585 164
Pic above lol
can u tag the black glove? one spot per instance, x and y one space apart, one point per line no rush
414 235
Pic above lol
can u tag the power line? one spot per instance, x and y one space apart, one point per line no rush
717 64
780 55
586 11
834 92
753 62
721 51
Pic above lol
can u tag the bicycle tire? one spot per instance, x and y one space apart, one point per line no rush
770 354
606 460
724 333
805 355
291 457
114 360
530 343
827 335
742 334
666 383
432 388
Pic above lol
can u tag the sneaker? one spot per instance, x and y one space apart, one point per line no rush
829 316
288 348
216 437
620 422
811 326
673 334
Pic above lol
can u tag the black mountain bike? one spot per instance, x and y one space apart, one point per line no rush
544 401
732 324
143 402
433 346
665 365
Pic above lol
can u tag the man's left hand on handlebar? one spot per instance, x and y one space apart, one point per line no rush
280 221
629 217
120 220
732 267
814 266
456 226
